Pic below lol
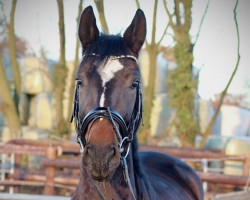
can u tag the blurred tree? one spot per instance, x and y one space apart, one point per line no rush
12 52
20 45
76 63
153 50
60 74
181 86
224 92
7 104
100 7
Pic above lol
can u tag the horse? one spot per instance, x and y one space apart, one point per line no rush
107 111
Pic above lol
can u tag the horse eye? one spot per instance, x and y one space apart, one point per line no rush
79 82
134 85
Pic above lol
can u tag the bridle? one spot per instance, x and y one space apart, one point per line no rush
128 130
125 132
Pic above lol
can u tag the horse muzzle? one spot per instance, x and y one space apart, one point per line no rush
101 162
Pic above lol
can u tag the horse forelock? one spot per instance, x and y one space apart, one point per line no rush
105 47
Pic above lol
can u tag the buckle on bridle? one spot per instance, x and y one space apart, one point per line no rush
122 147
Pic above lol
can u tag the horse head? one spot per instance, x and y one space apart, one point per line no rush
108 99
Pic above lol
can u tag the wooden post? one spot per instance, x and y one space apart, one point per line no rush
17 169
50 172
246 165
76 171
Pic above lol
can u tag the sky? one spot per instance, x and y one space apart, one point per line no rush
215 52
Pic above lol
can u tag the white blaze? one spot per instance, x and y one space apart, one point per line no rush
107 72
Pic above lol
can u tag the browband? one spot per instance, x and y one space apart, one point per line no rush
117 57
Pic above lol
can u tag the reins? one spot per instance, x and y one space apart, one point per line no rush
128 130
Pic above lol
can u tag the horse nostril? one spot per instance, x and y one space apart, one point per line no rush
88 151
87 156
113 152
114 157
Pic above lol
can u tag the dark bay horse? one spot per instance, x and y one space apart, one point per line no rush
108 111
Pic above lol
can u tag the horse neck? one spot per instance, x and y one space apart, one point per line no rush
116 188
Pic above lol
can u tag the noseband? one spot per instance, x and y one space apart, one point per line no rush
126 131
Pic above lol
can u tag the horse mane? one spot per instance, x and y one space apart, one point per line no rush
106 46
136 159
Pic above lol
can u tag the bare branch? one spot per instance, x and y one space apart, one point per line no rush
202 20
12 51
154 23
100 7
177 12
172 35
137 3
147 44
187 15
238 35
169 15
61 31
164 33
198 74
223 94
7 104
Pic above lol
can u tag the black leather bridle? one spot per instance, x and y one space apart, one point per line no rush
125 132
128 130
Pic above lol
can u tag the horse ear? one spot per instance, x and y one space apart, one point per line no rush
136 32
88 31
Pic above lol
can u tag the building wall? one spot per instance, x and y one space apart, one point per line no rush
36 101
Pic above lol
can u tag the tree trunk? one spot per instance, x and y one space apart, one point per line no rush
76 63
60 75
7 105
181 90
149 92
181 87
100 7
12 51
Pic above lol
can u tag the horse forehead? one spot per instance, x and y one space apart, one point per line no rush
108 70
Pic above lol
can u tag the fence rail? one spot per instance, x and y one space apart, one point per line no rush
51 152
4 196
